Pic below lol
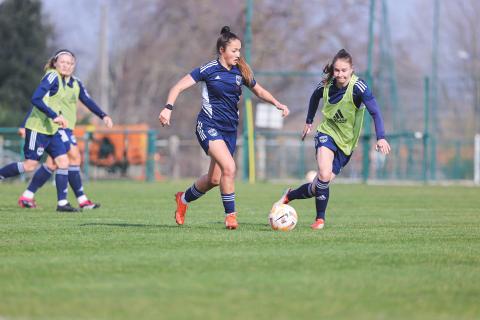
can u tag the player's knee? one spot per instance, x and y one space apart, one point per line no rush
324 175
51 166
214 181
229 171
62 162
74 159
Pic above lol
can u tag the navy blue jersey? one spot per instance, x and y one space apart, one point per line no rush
361 94
221 92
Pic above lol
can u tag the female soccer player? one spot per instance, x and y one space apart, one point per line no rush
41 136
59 82
337 135
217 121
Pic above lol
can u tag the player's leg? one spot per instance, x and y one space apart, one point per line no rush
56 149
33 150
325 157
75 179
41 176
201 186
220 153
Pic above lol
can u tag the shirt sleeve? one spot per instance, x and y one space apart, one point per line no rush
254 82
88 101
313 105
48 83
372 106
197 75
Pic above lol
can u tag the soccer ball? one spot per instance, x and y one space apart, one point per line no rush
283 217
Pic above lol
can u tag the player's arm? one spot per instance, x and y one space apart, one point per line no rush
184 83
48 84
266 96
374 110
92 106
312 110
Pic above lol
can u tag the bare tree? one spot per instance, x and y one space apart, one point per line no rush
166 39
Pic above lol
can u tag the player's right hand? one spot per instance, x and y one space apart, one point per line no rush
21 132
61 121
306 130
164 117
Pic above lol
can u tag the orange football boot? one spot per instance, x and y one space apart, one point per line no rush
181 209
231 221
318 224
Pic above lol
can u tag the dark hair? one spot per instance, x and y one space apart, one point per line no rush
328 69
225 37
51 62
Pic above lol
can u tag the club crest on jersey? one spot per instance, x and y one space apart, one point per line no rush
238 79
212 132
40 151
323 139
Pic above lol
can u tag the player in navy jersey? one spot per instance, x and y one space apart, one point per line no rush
217 122
344 95
50 87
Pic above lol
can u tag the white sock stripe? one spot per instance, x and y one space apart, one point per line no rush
62 172
195 192
321 185
74 168
45 167
20 167
310 192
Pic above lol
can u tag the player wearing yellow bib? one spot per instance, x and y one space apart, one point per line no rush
41 136
63 91
344 95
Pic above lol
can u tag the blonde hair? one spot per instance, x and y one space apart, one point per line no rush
51 62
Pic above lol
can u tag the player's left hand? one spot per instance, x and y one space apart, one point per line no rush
108 121
383 146
164 117
284 109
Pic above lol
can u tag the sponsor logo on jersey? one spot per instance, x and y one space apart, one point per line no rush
338 117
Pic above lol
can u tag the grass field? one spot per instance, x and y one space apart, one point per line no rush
386 253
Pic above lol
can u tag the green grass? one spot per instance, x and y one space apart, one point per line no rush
386 253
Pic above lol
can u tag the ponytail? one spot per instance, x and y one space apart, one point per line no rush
225 37
246 71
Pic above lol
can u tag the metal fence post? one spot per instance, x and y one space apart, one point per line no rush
150 165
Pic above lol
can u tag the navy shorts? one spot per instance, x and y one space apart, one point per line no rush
36 144
206 133
340 159
67 137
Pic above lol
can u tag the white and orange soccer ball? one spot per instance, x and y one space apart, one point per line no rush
283 217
